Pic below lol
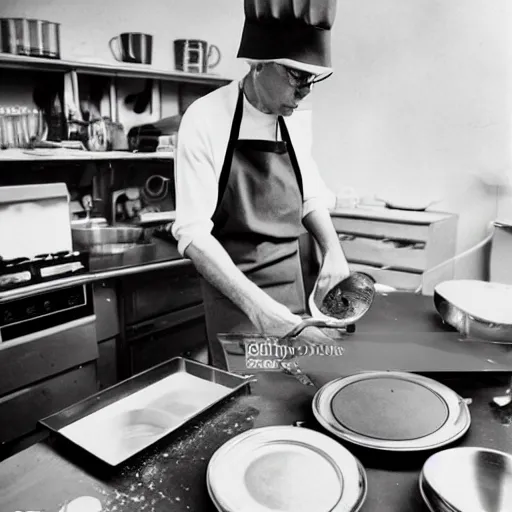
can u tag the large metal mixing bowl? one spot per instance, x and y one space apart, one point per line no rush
467 479
107 239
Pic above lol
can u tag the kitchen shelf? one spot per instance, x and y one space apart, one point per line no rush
121 70
34 155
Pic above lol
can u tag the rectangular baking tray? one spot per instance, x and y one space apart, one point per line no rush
123 420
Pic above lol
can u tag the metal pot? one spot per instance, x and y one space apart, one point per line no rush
32 37
107 239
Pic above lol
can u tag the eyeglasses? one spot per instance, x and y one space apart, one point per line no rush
301 78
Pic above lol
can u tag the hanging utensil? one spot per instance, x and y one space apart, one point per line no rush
140 100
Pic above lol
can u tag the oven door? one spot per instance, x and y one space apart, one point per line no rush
48 353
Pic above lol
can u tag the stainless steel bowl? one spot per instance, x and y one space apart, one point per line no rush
481 293
349 300
468 479
107 239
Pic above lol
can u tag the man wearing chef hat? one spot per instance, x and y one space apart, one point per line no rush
246 182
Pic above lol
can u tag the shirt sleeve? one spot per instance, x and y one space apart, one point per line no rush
316 193
195 181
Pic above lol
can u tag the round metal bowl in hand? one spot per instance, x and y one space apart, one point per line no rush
285 469
348 300
467 479
394 411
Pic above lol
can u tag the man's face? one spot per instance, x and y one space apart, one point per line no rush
281 89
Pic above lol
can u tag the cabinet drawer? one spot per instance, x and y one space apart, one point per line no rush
382 229
156 348
401 280
107 364
149 296
20 411
384 252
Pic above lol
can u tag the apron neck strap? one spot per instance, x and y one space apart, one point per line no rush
293 157
233 138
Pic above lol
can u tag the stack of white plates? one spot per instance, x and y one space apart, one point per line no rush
285 469
467 480
394 411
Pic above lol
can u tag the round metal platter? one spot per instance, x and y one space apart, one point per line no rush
394 411
285 469
468 479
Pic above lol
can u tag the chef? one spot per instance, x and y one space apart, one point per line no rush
246 182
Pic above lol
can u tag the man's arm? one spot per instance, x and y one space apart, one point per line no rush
216 266
317 200
334 266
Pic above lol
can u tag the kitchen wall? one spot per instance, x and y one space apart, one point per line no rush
418 106
420 103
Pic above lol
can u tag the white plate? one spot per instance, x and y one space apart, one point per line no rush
285 469
428 414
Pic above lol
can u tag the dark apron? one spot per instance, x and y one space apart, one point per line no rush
258 220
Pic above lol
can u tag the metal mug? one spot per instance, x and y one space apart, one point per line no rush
195 55
132 47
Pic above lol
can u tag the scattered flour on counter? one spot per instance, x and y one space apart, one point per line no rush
143 483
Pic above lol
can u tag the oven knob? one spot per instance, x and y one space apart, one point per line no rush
8 316
31 311
47 306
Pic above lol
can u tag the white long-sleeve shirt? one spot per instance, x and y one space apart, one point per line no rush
202 142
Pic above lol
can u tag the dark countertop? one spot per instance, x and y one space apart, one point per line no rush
171 474
158 251
403 331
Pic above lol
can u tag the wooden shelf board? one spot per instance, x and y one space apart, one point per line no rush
34 155
125 70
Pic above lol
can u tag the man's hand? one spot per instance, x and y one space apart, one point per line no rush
277 320
333 270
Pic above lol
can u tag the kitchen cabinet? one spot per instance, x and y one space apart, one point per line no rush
184 335
149 295
48 355
21 411
106 365
108 330
407 250
106 309
187 88
162 317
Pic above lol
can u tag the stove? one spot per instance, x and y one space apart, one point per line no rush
24 271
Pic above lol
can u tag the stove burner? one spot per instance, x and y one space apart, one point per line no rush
13 261
23 271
